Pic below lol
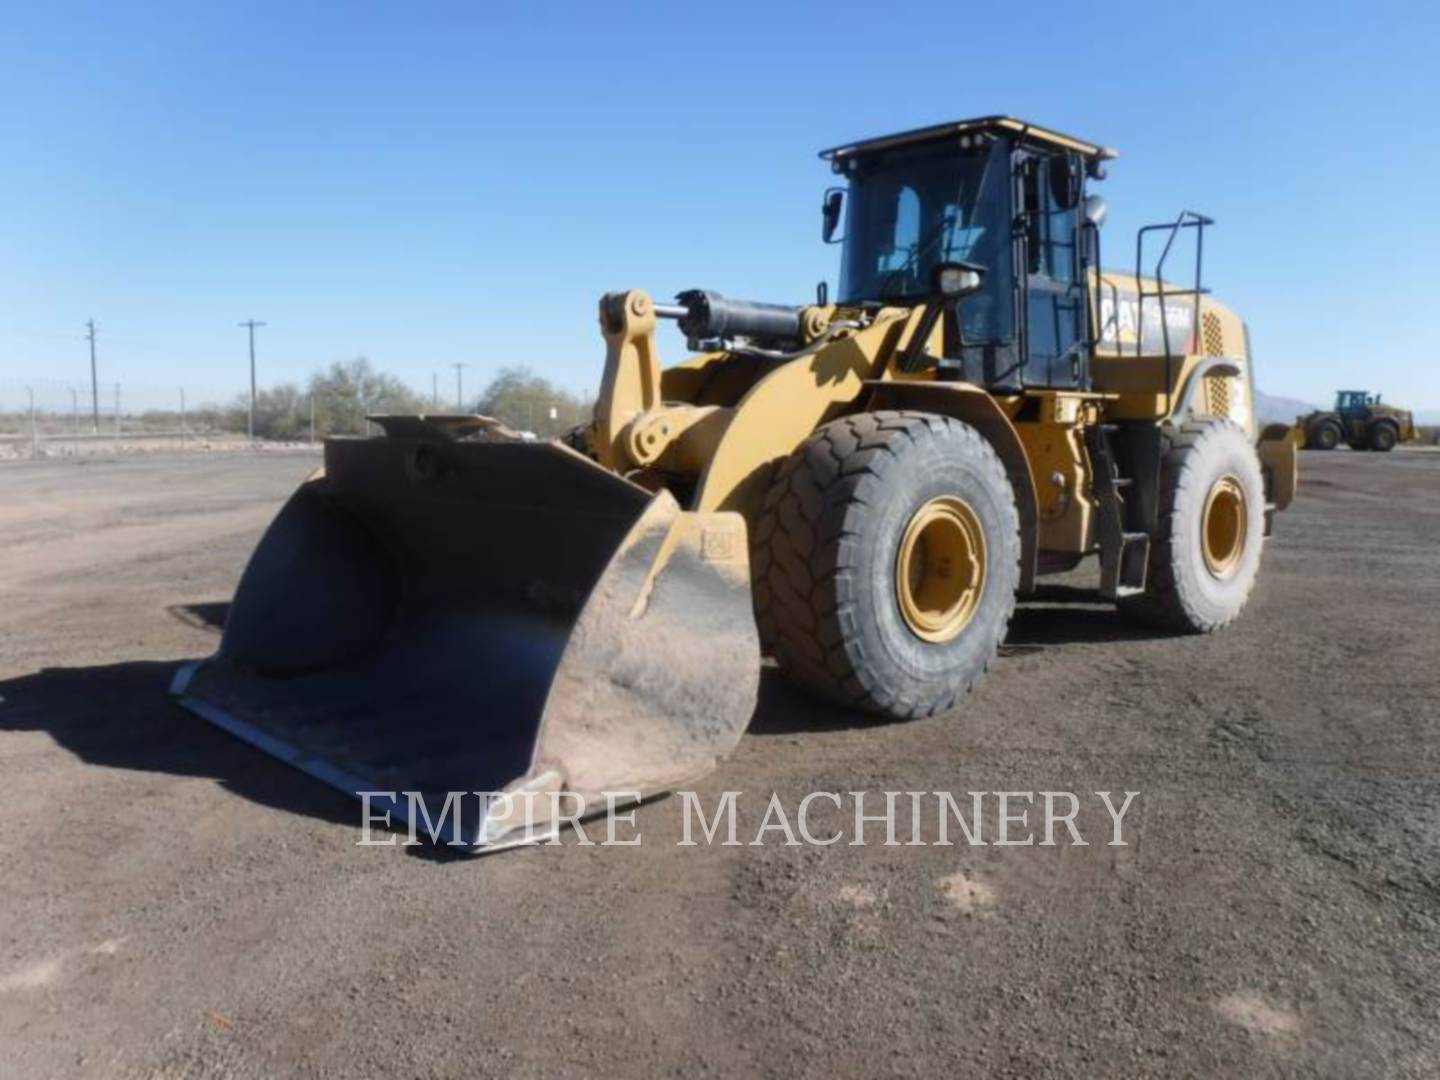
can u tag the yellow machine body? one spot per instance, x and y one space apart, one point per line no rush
721 425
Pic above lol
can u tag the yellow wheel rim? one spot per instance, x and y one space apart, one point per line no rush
940 569
1223 527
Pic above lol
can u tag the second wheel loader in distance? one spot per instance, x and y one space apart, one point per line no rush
859 487
1361 421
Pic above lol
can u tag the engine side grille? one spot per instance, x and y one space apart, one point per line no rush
1212 334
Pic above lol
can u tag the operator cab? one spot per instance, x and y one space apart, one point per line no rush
995 193
1355 400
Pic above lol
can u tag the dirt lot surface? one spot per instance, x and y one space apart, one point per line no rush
176 904
18 447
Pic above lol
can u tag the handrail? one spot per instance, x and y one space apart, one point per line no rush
1187 219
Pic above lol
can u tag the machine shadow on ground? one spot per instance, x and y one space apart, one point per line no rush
785 709
121 716
1056 614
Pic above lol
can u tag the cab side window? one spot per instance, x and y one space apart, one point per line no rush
1049 194
1051 191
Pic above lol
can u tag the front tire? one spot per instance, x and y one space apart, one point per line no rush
1206 554
1383 437
1325 435
886 560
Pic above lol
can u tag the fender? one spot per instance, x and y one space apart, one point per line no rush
1185 404
783 409
969 403
1279 465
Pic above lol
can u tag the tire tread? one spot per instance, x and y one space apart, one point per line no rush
1165 603
804 595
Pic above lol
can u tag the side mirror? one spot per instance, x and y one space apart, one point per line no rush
952 280
830 213
1095 210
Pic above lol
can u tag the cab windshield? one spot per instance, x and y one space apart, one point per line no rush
917 206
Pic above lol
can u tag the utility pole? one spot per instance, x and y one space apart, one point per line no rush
183 434
459 407
251 324
94 385
434 390
312 416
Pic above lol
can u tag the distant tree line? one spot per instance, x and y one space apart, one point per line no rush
526 402
342 396
347 391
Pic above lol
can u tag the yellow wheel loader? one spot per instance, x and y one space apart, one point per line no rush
859 487
1360 420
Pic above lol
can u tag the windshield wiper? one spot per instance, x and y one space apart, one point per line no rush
933 237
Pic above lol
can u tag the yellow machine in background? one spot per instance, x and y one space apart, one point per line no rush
1359 419
860 487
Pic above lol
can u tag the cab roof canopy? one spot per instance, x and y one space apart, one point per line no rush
997 125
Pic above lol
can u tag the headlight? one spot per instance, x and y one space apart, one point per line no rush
952 280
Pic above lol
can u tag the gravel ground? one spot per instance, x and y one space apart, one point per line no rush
177 904
15 447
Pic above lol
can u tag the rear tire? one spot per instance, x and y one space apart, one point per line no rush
1206 553
1383 437
1324 436
886 560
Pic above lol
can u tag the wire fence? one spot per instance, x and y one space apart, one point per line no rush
45 418
40 417
43 411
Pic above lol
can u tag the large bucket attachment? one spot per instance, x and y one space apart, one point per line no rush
435 613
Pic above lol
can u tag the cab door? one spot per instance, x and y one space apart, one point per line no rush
1049 190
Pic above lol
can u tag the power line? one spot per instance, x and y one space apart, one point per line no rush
251 324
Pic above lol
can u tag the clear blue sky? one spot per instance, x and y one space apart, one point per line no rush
433 183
